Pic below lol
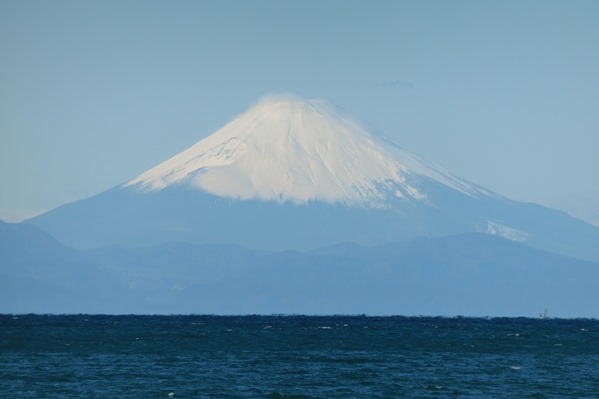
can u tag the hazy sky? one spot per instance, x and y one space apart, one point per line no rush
505 94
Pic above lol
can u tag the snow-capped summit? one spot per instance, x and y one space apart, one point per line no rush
288 149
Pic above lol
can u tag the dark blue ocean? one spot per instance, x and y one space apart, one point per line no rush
296 357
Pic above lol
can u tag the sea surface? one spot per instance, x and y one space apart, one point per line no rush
86 356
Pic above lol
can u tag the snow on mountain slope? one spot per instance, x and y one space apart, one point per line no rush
287 149
295 174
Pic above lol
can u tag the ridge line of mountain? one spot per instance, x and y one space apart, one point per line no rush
471 274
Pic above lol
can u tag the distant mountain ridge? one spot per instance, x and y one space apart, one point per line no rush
471 275
40 275
296 174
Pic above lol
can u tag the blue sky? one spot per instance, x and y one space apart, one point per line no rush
505 94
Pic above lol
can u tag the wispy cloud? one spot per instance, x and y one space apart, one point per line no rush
399 84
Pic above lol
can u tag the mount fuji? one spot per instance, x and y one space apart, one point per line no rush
293 174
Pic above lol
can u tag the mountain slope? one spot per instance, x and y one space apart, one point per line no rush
294 174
